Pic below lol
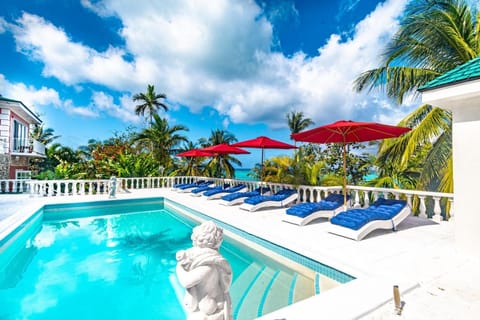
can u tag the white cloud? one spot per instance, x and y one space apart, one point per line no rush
68 61
32 97
40 100
215 53
3 25
124 111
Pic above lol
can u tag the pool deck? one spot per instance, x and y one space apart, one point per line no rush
436 281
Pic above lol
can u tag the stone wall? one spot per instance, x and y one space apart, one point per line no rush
4 165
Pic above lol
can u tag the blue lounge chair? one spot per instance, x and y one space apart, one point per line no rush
280 199
191 186
217 194
197 192
304 213
382 214
238 197
181 185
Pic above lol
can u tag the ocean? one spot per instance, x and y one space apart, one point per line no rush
242 174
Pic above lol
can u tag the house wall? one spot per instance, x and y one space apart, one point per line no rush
4 130
17 163
466 168
4 166
463 99
9 164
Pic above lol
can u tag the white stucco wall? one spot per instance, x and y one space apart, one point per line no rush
464 102
466 168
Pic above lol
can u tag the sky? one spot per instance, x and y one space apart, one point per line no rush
236 65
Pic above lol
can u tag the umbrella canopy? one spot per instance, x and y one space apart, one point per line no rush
195 153
224 148
346 131
263 143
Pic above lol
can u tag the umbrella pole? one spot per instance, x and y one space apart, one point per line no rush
344 177
261 174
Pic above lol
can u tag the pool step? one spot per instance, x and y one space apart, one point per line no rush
260 290
251 300
304 288
243 283
277 295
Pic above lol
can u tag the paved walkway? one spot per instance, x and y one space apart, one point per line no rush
436 281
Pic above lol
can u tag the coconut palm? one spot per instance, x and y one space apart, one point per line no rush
190 166
150 102
220 165
164 139
297 121
43 135
435 36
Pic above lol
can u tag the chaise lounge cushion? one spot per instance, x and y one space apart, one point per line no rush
382 209
304 209
279 196
228 190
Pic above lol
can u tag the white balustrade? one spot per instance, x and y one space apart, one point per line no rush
434 205
425 203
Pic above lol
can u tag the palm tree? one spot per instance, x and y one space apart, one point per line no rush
297 121
221 165
42 135
164 139
190 166
150 102
435 36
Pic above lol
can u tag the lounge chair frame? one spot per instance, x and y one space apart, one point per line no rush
312 216
270 203
371 226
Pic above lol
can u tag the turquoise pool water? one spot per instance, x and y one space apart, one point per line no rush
116 260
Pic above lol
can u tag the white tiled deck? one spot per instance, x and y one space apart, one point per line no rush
437 281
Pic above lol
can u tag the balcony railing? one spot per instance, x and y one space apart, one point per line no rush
432 205
28 147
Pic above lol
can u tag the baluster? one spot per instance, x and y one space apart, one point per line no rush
357 199
397 196
375 196
423 208
409 200
51 187
366 199
451 211
437 210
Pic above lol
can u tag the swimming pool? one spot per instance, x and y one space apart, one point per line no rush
116 259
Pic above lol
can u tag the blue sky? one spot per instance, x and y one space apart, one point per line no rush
237 65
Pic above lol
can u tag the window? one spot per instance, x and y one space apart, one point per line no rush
23 174
20 136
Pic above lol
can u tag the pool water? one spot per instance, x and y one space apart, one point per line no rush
118 262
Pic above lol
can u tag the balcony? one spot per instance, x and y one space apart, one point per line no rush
28 148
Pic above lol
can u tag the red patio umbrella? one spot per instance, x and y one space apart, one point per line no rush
195 153
347 131
263 143
224 148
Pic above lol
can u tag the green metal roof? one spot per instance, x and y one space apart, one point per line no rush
465 72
